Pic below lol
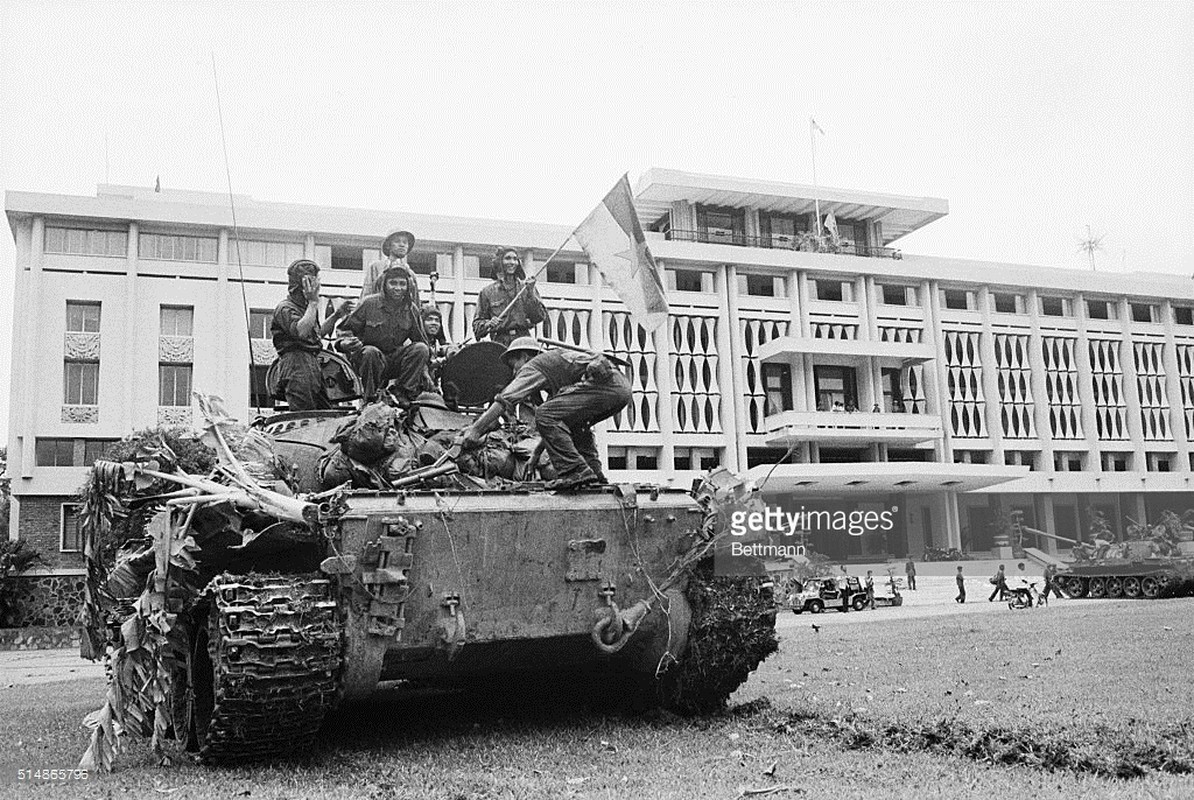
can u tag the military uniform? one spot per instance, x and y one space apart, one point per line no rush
527 311
391 331
300 380
582 390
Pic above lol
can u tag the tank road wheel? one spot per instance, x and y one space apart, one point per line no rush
1131 587
1150 587
1098 587
1115 587
265 666
816 606
732 631
1075 587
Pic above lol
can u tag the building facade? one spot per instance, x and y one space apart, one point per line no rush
839 374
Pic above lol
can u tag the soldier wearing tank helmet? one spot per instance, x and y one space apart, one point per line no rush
583 389
500 316
394 250
385 339
298 334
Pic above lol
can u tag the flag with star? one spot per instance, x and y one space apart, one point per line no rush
613 239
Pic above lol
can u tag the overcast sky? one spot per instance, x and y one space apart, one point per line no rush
1033 120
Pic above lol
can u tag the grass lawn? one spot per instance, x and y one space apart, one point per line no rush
1107 679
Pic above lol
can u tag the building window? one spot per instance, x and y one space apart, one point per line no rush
55 452
836 388
268 254
1160 462
260 320
662 225
1020 458
698 458
177 320
777 388
161 247
782 230
898 295
174 382
617 458
70 539
348 258
900 454
1067 462
472 266
1144 312
94 449
1116 462
1054 306
1008 303
80 242
840 291
689 280
561 272
957 299
82 317
425 263
721 225
259 396
1100 309
760 285
972 457
1183 315
81 383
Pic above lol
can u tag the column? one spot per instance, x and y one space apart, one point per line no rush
724 282
129 349
1048 522
869 307
804 292
662 337
933 372
25 403
226 311
459 332
1173 390
801 379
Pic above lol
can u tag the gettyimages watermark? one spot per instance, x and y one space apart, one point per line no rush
768 535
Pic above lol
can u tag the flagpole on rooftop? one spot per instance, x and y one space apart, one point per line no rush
813 127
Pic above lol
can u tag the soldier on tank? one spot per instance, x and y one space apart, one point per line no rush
386 340
583 389
437 340
503 314
394 250
297 335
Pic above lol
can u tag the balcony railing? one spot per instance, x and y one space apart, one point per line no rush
803 242
853 427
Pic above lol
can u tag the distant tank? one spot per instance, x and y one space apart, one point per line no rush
315 598
1134 569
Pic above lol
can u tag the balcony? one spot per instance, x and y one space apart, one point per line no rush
847 351
850 427
803 242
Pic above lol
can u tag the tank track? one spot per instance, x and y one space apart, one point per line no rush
274 646
732 631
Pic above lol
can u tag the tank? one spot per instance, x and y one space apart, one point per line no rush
282 607
1133 569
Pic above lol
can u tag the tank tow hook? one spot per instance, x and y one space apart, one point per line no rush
614 628
452 626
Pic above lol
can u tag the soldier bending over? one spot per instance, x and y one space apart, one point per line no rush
583 389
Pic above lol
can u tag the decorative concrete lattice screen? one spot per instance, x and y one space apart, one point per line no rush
1150 381
568 325
631 342
835 330
1185 375
1014 378
696 395
912 388
1061 387
964 375
1106 378
755 334
900 333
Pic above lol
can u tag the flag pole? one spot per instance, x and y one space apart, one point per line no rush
812 138
538 272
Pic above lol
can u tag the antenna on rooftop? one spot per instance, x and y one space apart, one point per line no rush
1089 245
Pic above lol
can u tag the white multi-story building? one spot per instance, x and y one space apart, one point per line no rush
950 390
